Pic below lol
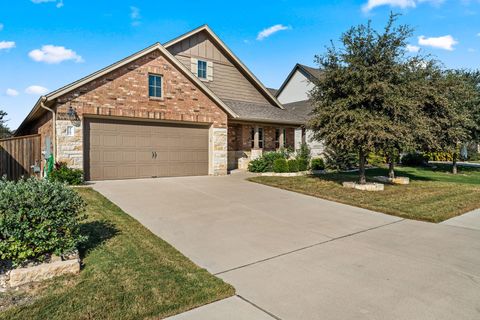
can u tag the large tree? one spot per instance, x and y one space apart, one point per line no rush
4 130
453 113
363 101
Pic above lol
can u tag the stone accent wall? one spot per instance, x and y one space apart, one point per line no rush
124 93
220 152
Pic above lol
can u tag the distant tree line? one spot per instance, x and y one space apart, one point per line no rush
4 130
375 97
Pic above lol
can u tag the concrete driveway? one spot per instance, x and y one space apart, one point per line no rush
291 256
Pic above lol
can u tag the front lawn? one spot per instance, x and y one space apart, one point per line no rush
128 273
433 194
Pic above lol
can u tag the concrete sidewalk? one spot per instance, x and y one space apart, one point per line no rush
292 256
470 220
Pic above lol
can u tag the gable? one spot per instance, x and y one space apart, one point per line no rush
296 88
231 80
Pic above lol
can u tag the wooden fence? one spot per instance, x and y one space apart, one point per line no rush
18 155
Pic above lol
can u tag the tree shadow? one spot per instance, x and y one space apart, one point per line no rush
97 232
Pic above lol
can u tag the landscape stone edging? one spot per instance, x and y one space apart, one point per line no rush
283 174
397 180
364 187
33 273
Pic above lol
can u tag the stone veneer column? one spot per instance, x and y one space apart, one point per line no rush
70 148
220 153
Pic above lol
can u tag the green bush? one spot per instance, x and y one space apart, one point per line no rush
438 156
280 165
338 159
62 173
414 159
37 218
318 164
265 162
376 159
302 164
292 165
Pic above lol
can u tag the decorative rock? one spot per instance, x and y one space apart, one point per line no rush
397 180
318 171
43 271
364 187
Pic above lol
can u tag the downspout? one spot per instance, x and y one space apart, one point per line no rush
54 125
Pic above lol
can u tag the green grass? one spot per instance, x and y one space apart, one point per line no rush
128 273
433 195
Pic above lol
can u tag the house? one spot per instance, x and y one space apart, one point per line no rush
187 107
294 95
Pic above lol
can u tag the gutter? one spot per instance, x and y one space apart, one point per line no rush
43 99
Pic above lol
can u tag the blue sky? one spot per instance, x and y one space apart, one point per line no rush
45 44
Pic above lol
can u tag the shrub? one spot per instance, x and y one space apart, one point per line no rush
318 164
414 159
292 165
265 162
38 217
376 159
280 165
438 156
338 159
62 173
302 164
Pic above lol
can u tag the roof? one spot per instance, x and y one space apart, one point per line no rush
272 98
311 73
34 113
302 109
251 111
272 91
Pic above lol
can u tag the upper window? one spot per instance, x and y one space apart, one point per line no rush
202 69
155 86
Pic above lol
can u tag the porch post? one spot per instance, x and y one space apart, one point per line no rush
281 138
256 138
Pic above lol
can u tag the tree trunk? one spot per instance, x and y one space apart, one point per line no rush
391 168
454 166
361 167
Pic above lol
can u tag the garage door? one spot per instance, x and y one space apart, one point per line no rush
117 149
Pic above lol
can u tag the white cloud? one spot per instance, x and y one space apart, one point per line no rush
58 5
5 45
446 42
54 54
37 90
135 16
412 48
265 33
371 4
11 92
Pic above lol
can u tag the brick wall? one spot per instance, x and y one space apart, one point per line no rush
124 93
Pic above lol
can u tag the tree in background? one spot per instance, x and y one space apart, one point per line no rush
453 113
4 130
363 100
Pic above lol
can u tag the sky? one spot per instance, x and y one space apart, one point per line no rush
46 44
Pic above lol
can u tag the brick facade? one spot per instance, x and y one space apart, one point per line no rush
124 93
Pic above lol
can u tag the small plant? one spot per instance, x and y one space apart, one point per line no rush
318 164
280 165
265 162
292 165
414 159
62 173
38 218
303 157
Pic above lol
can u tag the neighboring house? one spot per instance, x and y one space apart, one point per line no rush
294 95
187 107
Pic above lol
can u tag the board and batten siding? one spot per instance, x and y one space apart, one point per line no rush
228 81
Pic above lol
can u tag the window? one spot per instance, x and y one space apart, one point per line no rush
260 137
202 69
277 137
154 86
70 132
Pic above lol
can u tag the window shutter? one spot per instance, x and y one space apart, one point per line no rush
209 70
194 66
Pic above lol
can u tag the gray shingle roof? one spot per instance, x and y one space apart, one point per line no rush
295 114
301 109
313 72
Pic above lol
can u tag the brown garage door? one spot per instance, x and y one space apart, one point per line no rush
118 149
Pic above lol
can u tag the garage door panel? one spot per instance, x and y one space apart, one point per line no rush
129 149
